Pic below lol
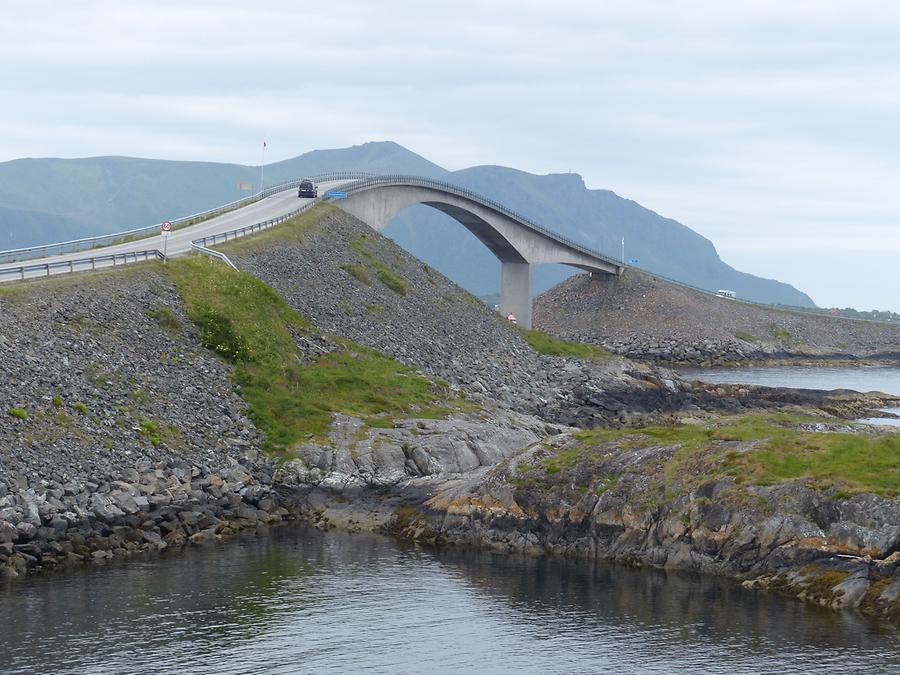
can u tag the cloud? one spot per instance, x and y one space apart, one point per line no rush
769 118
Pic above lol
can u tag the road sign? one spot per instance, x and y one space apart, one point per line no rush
633 261
166 228
336 194
247 187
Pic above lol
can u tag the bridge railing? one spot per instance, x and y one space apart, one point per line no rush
47 269
221 237
400 179
87 243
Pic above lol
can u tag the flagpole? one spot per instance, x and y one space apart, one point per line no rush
262 166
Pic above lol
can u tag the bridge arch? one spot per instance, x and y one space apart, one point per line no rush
516 241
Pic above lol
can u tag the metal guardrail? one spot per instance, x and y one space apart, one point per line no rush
80 265
236 233
400 179
361 180
87 243
218 255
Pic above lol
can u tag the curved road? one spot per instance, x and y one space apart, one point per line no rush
179 243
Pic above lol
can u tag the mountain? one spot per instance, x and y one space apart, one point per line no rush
599 218
20 228
45 200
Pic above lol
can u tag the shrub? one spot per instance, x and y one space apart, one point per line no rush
166 318
217 334
392 280
358 272
546 344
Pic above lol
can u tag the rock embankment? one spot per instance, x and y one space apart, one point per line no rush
333 273
641 316
119 432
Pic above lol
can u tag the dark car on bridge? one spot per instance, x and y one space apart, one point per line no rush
307 189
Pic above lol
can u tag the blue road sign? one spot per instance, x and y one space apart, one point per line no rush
336 194
633 261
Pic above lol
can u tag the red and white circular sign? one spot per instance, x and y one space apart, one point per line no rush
167 226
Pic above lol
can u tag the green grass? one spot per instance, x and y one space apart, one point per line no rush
18 413
783 335
81 407
853 462
166 318
249 324
294 229
358 272
150 431
850 462
391 279
747 337
383 272
546 344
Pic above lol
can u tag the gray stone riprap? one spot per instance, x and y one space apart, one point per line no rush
641 316
134 437
446 333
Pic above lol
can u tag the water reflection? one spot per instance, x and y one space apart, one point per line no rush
885 379
295 599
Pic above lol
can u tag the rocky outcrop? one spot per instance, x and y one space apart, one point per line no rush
617 503
642 316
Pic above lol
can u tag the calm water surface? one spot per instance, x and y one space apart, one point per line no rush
296 600
885 379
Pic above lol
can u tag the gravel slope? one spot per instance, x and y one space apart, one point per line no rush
646 317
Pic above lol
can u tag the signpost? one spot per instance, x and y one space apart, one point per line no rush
336 194
166 228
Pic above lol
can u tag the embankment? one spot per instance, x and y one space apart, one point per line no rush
641 316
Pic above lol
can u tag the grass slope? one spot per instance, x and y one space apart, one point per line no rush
291 399
546 344
850 462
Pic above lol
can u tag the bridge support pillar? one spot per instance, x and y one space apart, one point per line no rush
515 291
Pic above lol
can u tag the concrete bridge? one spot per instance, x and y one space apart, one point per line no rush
516 241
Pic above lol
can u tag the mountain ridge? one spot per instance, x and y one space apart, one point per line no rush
50 199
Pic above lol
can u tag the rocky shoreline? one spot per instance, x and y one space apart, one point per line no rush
150 509
836 551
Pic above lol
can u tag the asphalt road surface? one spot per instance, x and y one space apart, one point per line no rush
179 242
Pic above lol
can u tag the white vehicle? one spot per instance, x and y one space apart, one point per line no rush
726 294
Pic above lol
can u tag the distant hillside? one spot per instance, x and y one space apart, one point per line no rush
643 316
20 228
599 218
45 200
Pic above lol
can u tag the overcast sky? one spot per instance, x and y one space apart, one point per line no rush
771 127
